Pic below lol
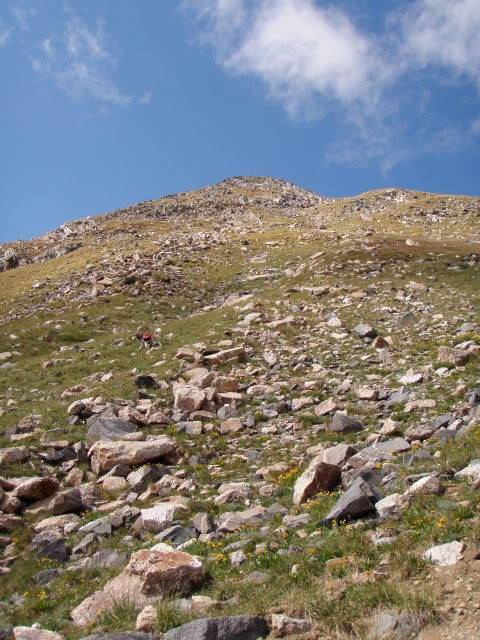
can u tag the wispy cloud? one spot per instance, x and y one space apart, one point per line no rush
444 33
313 59
146 98
81 64
23 14
5 33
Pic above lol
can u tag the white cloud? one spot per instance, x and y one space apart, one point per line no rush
80 64
312 58
444 33
303 53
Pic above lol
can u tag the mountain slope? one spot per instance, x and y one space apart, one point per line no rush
273 313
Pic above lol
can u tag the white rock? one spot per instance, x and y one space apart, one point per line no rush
392 505
471 472
237 558
445 555
430 485
158 517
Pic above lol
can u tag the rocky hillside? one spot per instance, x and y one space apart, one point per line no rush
243 412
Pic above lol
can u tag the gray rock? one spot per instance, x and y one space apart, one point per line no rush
143 476
203 523
177 535
228 628
103 559
233 521
379 452
343 423
471 472
50 544
283 625
398 397
420 432
256 577
111 429
359 500
46 576
365 331
338 454
391 625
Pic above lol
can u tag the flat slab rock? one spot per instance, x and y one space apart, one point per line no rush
232 521
379 452
106 455
27 633
149 574
228 628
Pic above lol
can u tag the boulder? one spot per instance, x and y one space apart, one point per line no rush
392 625
67 522
359 500
429 485
326 407
343 423
391 506
470 472
188 398
319 476
105 455
150 574
146 619
231 425
445 555
158 517
50 543
203 523
228 628
338 454
67 501
454 357
11 455
225 355
122 635
36 488
365 331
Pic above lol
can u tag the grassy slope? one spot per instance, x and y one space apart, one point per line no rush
90 346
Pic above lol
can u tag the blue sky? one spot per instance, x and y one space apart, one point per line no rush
105 103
